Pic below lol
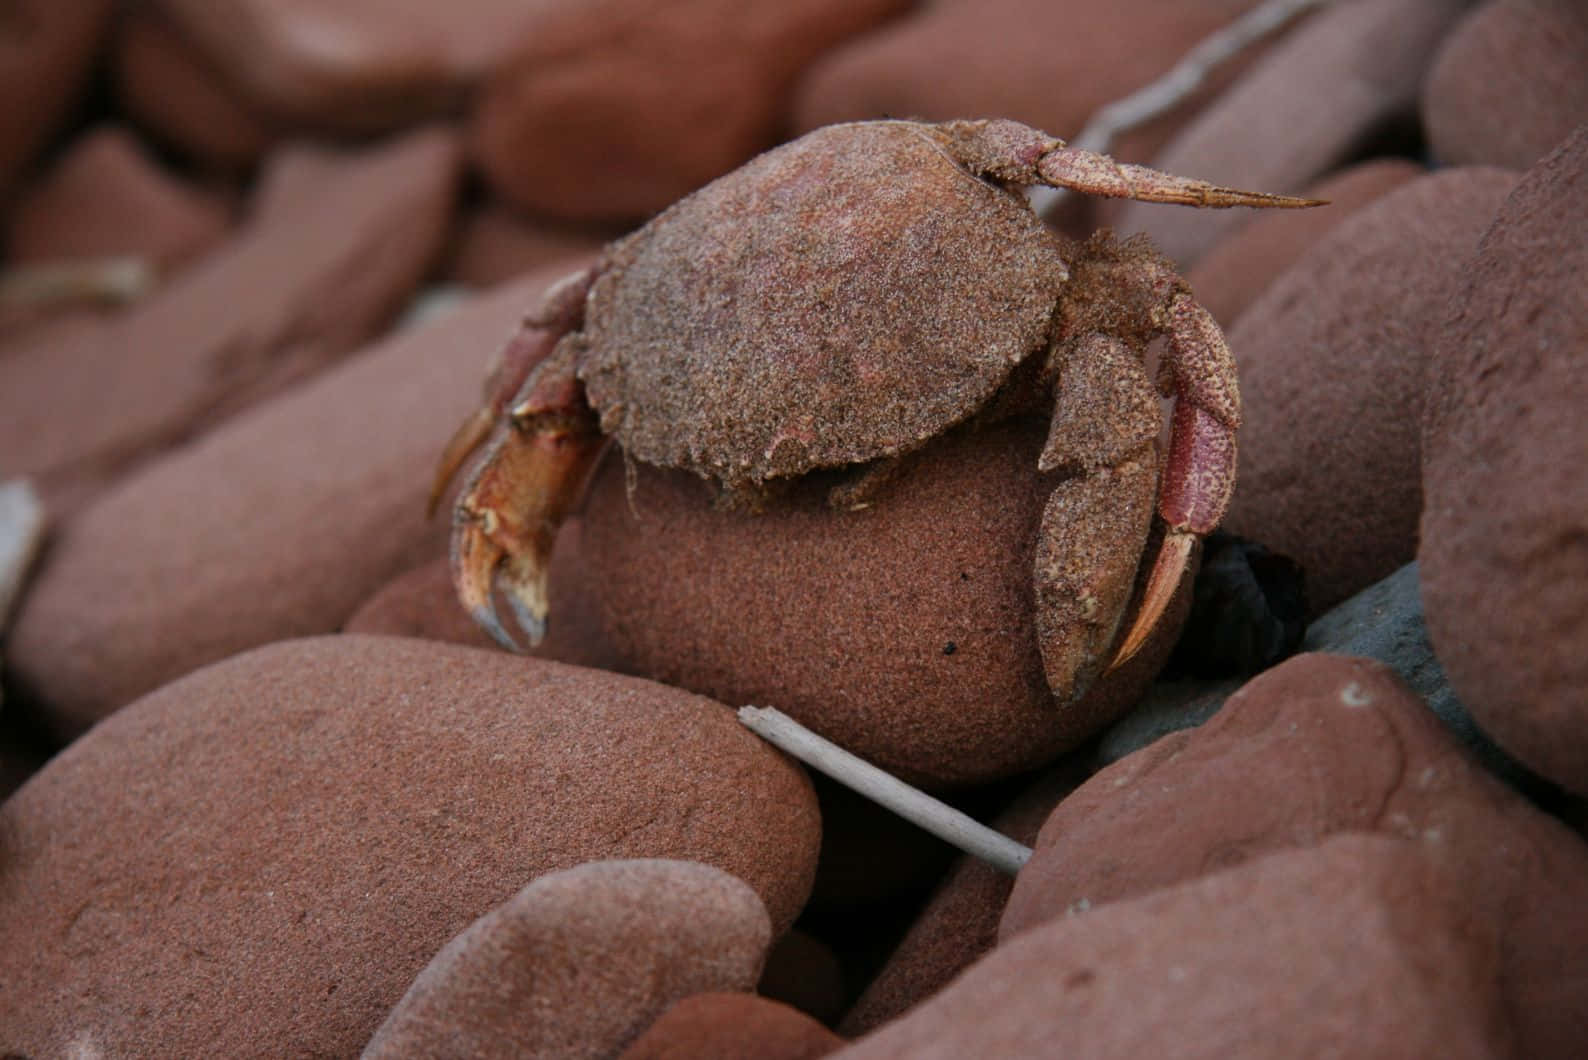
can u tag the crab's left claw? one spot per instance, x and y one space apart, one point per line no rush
507 517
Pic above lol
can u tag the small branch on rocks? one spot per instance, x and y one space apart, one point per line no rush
112 281
1172 88
21 532
914 805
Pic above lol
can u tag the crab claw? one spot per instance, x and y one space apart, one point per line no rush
507 518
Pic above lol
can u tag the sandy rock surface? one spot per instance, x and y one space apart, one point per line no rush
1331 360
108 197
732 1027
47 51
1317 746
581 962
1504 550
904 632
1269 958
258 860
279 524
1509 83
638 104
333 248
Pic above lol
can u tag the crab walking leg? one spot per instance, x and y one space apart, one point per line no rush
1018 154
1199 473
507 518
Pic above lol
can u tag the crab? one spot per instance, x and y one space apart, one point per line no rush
836 304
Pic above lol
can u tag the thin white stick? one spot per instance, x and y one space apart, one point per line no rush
21 532
913 805
1173 87
115 281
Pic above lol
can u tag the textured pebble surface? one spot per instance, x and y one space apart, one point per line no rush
266 788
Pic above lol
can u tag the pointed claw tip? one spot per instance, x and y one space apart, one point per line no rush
485 616
532 623
1162 581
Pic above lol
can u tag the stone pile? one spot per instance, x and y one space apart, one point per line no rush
266 789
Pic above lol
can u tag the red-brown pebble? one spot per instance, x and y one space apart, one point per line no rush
334 247
424 603
106 197
904 632
1049 65
1364 946
1304 110
258 860
176 92
1504 552
1331 359
1509 83
279 524
47 50
610 111
1235 272
493 245
733 1027
1317 746
580 963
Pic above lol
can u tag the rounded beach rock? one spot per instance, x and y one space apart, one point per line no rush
1364 946
106 197
176 92
1308 106
1509 83
1331 359
278 524
1504 551
334 245
257 860
612 110
1235 272
1048 64
580 962
904 632
1316 746
47 50
732 1027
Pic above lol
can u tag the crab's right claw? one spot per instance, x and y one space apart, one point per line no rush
506 521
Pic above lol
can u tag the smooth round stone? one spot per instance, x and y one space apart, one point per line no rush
1504 533
257 860
581 962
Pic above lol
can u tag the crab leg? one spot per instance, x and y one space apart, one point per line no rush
506 520
1019 154
1199 473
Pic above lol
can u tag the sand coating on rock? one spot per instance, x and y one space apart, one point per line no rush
1504 551
1365 946
333 247
1331 359
580 962
903 632
1050 65
1320 745
278 524
258 859
1510 82
612 109
732 1027
107 197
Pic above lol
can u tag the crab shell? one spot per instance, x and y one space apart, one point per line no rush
840 302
